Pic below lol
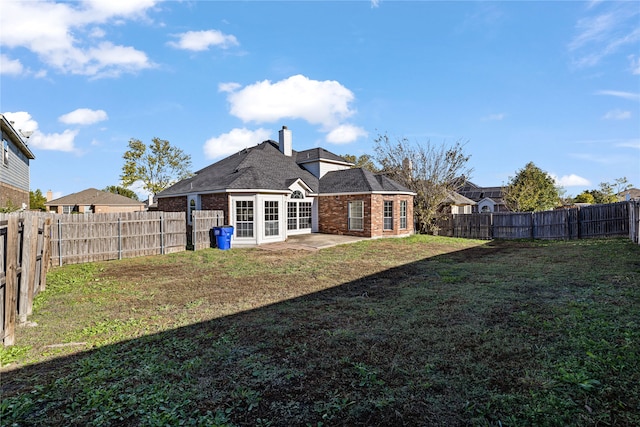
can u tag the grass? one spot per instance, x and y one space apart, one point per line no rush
417 331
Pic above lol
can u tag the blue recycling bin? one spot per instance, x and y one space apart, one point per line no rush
223 236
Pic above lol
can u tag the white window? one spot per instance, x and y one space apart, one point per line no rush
292 216
403 214
387 215
244 218
356 215
298 215
304 212
271 218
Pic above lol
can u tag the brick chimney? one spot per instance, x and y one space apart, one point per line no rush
285 141
49 196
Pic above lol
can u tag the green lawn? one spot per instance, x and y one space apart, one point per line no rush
423 330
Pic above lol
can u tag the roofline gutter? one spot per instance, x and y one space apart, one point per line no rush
235 191
404 193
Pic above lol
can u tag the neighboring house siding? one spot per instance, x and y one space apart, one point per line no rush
16 173
14 167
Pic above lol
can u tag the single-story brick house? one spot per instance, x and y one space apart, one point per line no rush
270 191
92 200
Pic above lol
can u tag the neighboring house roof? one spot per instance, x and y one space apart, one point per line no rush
260 167
476 193
16 136
92 196
630 194
457 199
358 181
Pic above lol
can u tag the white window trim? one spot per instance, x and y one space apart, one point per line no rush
349 217
234 217
385 218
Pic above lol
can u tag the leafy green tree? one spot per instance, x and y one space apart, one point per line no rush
584 197
126 192
430 170
157 166
531 190
608 192
365 161
37 200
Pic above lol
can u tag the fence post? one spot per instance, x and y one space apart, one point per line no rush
27 276
46 253
193 230
11 282
161 235
59 243
119 239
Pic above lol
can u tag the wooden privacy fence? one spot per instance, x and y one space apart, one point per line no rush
615 219
80 238
30 242
202 223
24 259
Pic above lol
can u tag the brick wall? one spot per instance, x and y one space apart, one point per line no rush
333 215
173 204
377 204
12 196
216 202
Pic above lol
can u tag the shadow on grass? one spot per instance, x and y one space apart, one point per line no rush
489 335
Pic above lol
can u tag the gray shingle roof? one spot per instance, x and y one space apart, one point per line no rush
92 196
259 167
358 180
476 193
316 154
264 167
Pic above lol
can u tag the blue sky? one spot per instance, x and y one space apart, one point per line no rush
556 83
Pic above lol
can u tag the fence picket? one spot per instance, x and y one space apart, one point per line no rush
614 219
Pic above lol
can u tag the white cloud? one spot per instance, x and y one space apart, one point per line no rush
234 141
229 87
22 121
345 134
318 102
607 30
54 32
620 94
54 141
202 40
571 180
10 66
629 144
617 115
83 116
